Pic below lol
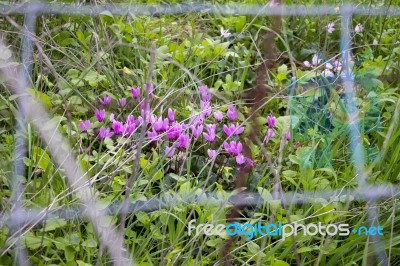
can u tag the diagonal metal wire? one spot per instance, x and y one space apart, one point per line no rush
20 140
63 155
356 146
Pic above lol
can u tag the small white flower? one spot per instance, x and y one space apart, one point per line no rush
224 33
327 73
330 27
316 60
273 3
375 42
328 66
359 28
307 64
337 66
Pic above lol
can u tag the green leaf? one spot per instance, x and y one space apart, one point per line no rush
177 177
280 263
40 157
159 175
283 123
90 243
289 173
32 241
240 22
41 97
305 157
143 218
81 37
253 248
54 224
93 78
265 194
82 263
214 242
283 69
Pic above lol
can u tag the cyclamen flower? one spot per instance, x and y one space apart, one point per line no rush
327 73
130 125
287 136
183 141
171 115
307 64
196 130
233 148
196 119
337 66
106 100
218 115
118 127
328 66
160 124
152 135
210 135
145 108
130 119
206 108
170 151
112 117
175 130
84 125
100 115
211 153
249 162
359 28
231 113
122 102
270 134
330 27
149 88
233 130
139 120
224 33
316 60
240 159
271 121
105 133
205 95
273 3
135 92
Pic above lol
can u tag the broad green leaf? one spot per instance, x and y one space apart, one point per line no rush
41 97
32 241
280 263
40 157
54 224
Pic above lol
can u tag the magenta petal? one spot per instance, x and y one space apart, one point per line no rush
240 159
227 146
239 147
211 153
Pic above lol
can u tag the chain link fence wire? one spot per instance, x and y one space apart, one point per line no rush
20 218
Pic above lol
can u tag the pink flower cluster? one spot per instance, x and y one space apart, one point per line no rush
330 68
167 132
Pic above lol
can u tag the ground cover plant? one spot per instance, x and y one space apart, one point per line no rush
160 112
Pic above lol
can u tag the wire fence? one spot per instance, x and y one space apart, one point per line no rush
20 218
